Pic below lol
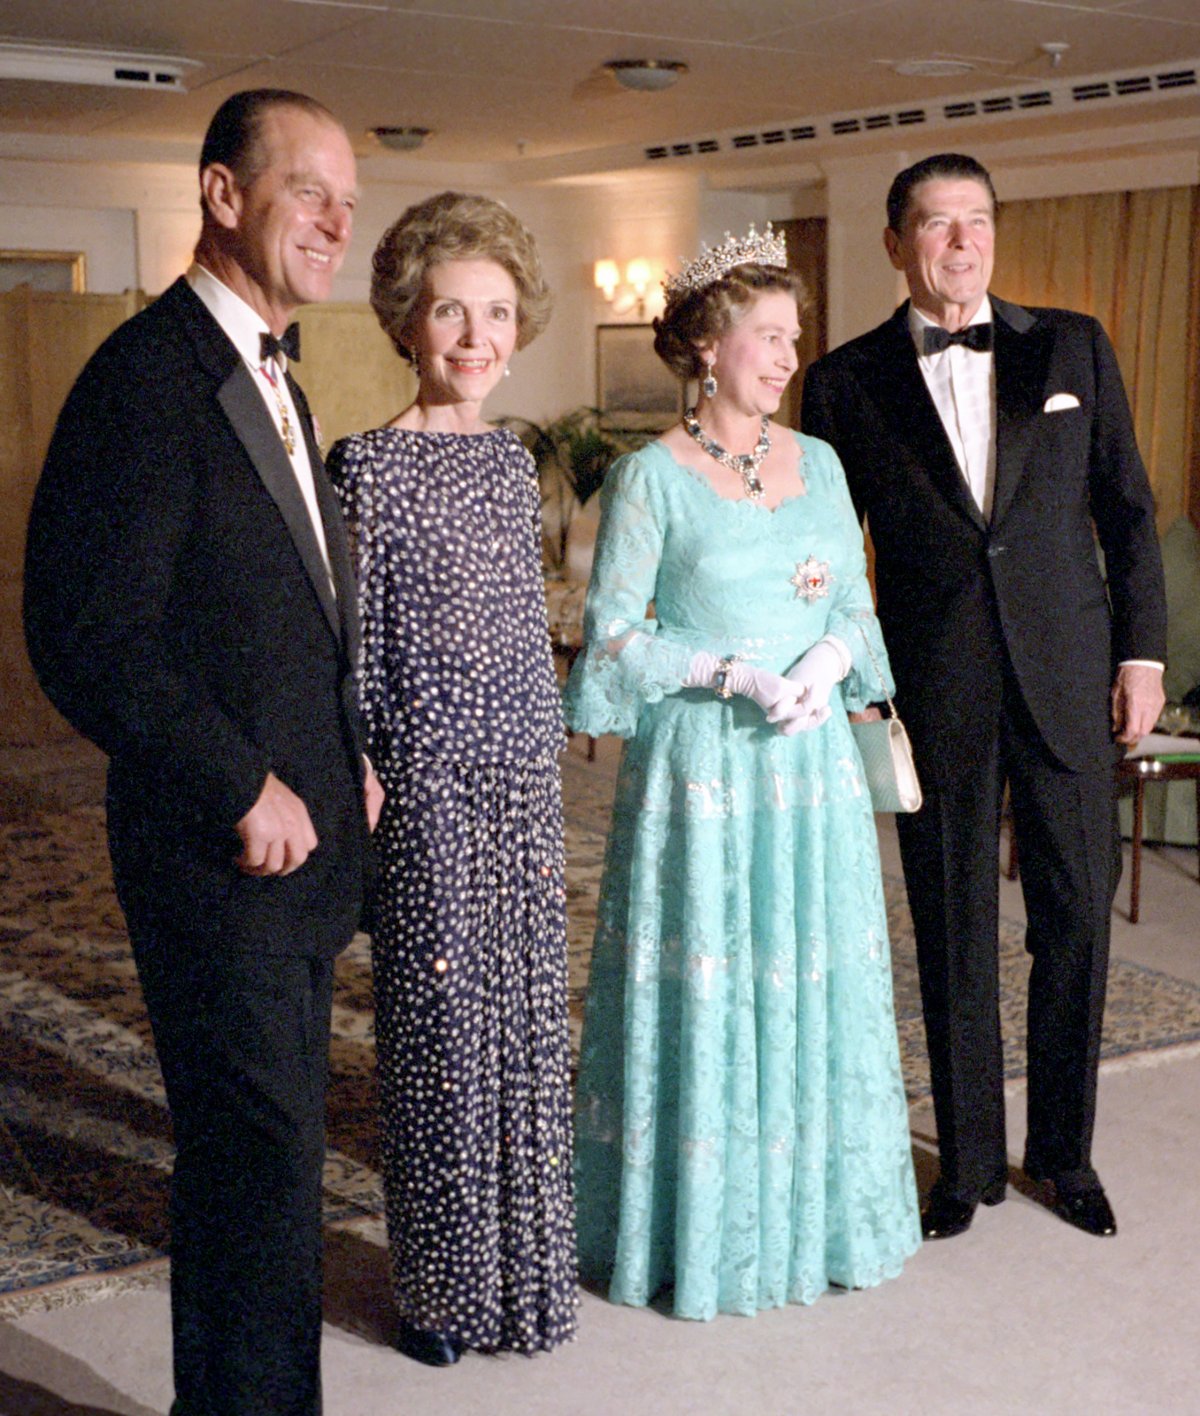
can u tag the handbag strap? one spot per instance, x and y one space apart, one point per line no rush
878 671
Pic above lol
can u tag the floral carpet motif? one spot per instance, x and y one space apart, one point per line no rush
85 1149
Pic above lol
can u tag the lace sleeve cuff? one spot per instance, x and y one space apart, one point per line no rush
607 688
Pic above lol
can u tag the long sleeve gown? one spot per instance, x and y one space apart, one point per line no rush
468 930
741 1126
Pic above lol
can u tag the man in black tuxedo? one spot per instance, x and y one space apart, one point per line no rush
984 442
190 607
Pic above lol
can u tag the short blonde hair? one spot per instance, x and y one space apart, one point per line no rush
707 313
455 226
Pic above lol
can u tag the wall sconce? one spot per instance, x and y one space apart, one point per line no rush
608 277
634 287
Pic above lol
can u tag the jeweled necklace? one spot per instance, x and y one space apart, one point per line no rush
745 464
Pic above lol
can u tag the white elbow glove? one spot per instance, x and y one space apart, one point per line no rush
772 692
815 675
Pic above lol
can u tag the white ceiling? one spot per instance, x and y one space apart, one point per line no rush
521 82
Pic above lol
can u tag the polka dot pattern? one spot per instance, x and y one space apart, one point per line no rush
457 664
469 920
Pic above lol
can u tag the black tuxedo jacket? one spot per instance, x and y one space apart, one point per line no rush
958 595
179 613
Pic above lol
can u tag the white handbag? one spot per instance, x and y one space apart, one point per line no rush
887 755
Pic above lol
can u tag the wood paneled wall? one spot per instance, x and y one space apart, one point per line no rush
45 339
352 376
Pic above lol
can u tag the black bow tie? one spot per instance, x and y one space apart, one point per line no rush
976 336
288 344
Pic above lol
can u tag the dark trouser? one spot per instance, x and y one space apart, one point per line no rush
244 1045
1070 855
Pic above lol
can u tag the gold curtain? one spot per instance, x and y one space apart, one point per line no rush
1128 259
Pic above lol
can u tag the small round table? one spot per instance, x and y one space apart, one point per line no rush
1137 771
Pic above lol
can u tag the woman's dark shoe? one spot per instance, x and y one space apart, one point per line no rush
435 1349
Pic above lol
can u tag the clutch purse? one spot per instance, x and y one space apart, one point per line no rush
887 756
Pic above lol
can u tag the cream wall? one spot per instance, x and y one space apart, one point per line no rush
137 226
137 223
106 238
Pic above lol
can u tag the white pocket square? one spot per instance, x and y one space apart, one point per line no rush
1058 401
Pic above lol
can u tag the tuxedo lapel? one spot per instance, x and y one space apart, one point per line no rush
246 411
243 405
337 543
910 412
1022 354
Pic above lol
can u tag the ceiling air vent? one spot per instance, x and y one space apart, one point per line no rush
998 107
107 68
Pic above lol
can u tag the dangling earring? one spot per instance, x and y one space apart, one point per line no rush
507 371
708 385
416 363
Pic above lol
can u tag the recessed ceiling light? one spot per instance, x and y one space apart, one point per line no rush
646 75
932 68
401 139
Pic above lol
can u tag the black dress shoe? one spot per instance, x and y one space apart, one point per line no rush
944 1215
1088 1210
435 1349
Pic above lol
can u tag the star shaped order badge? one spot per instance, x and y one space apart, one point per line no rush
812 579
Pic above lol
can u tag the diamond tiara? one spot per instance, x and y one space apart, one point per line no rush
768 249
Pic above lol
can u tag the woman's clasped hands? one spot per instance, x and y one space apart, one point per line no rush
795 702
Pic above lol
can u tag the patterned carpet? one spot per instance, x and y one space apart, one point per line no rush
84 1138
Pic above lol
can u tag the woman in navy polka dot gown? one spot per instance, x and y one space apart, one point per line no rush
462 707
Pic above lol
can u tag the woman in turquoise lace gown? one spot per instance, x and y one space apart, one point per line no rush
741 1132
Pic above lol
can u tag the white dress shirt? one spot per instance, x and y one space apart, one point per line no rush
244 326
962 384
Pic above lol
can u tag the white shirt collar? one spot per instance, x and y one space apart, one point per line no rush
237 319
918 323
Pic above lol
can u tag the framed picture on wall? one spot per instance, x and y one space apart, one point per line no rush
634 388
59 272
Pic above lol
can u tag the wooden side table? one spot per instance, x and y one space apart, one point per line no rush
1137 771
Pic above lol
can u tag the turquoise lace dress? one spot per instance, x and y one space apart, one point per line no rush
742 1133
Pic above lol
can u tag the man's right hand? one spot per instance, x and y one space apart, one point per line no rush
276 833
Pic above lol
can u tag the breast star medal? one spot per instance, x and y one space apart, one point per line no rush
812 579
